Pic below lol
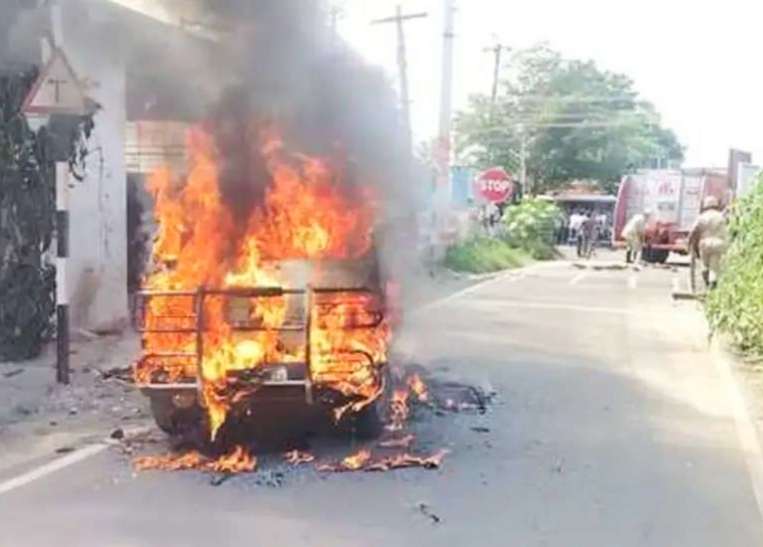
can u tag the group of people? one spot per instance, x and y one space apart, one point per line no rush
708 239
584 228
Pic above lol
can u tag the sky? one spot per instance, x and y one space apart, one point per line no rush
697 61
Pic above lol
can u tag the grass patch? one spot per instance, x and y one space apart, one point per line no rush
485 255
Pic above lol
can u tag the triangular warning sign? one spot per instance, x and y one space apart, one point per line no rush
57 90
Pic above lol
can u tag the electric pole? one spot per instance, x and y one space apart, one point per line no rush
443 190
335 13
446 93
402 61
523 163
497 50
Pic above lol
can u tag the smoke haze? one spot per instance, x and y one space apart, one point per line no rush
275 62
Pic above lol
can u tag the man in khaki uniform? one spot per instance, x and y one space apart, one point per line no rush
709 240
633 234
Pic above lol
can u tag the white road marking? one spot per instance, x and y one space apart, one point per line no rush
578 278
511 276
52 467
746 431
564 307
632 282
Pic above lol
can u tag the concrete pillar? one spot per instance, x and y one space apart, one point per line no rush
98 208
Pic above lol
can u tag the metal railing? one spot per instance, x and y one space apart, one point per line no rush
189 319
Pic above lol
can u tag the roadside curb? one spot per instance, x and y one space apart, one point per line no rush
747 432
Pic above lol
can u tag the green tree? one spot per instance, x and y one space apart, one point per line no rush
577 122
27 212
736 306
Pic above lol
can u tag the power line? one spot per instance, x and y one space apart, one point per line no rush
583 117
573 99
399 17
537 116
533 125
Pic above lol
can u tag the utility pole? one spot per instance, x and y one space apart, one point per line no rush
55 40
335 12
497 50
443 190
402 62
446 90
523 163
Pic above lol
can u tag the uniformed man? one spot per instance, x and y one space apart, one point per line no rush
634 234
709 240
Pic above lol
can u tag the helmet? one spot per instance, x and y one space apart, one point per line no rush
711 202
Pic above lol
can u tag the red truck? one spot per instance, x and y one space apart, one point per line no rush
674 197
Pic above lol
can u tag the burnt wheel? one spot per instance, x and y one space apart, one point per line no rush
369 423
656 256
173 420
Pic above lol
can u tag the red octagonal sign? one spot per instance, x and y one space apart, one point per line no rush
494 185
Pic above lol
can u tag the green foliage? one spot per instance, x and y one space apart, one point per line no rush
484 255
528 234
578 122
530 226
27 212
736 306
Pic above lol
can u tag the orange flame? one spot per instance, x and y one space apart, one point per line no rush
419 388
239 460
404 461
170 462
309 212
399 410
356 461
362 461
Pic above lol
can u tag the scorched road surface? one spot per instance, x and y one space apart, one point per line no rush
612 426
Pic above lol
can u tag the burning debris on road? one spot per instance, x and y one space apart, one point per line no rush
363 461
402 442
296 457
370 458
239 460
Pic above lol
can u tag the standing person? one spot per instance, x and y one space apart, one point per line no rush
581 220
490 214
587 236
601 221
709 240
575 221
634 234
562 229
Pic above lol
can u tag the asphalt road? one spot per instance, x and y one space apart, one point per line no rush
612 426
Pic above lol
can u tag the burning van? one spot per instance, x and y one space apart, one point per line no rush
280 299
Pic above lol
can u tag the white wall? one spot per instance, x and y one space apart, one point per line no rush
97 275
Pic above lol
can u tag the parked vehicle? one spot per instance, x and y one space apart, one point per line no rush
674 198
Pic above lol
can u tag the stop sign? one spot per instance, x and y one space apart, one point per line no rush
494 185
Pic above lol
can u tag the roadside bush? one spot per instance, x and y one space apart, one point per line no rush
530 226
736 306
484 255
